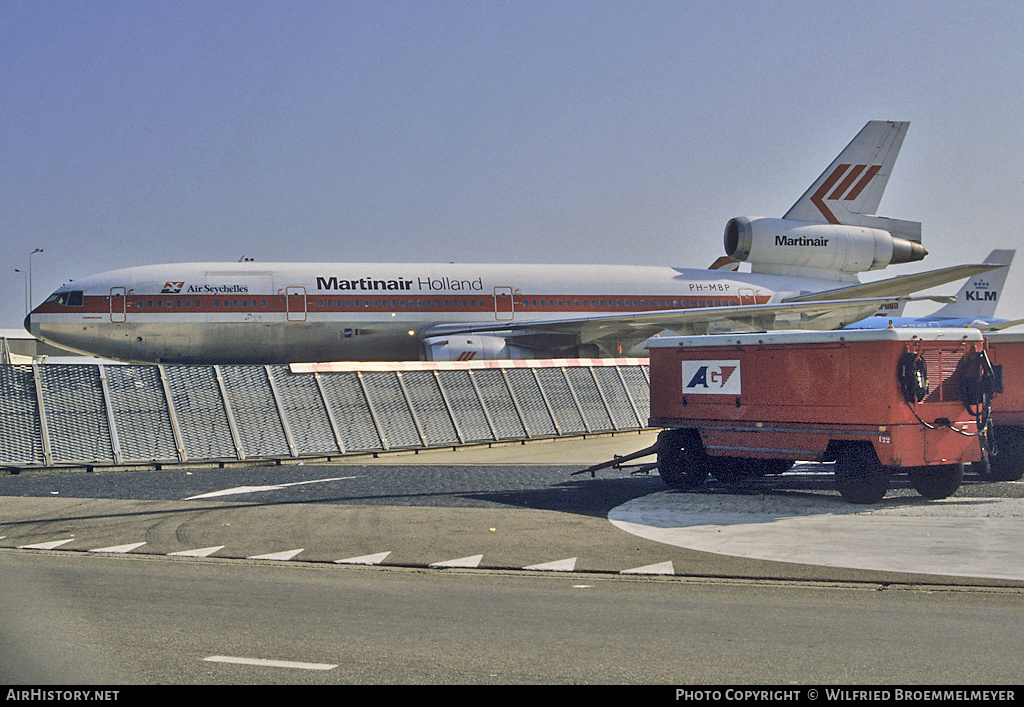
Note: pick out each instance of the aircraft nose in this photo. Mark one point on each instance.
(28, 323)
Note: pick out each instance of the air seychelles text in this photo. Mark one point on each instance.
(211, 289)
(399, 284)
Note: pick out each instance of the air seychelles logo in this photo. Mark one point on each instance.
(711, 377)
(175, 288)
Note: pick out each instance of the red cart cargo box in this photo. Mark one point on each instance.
(870, 400)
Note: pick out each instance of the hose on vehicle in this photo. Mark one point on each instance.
(913, 375)
(979, 383)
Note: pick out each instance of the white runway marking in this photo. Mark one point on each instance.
(119, 549)
(471, 561)
(262, 662)
(283, 555)
(239, 490)
(45, 546)
(659, 568)
(375, 559)
(567, 565)
(200, 552)
(973, 537)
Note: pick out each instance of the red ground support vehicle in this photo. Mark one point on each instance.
(872, 401)
(1006, 350)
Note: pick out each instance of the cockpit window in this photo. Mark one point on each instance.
(67, 298)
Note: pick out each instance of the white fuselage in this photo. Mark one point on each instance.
(309, 312)
(292, 312)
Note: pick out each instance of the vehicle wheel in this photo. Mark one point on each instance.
(682, 461)
(937, 482)
(860, 477)
(1007, 464)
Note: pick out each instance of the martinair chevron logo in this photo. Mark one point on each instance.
(854, 179)
(172, 288)
(711, 377)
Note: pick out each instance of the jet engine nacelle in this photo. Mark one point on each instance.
(822, 246)
(472, 347)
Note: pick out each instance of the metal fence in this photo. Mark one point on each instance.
(92, 415)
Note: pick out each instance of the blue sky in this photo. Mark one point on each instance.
(552, 132)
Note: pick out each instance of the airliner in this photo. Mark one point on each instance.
(974, 306)
(803, 275)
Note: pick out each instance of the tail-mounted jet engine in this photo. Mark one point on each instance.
(785, 245)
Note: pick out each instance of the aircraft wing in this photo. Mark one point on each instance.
(614, 333)
(611, 331)
(896, 286)
(998, 326)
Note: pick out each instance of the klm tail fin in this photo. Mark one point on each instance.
(849, 191)
(980, 294)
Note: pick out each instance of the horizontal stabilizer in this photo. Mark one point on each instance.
(998, 326)
(897, 286)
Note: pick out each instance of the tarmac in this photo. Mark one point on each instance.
(961, 536)
(794, 526)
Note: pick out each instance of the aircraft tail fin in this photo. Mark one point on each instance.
(849, 191)
(724, 262)
(980, 294)
(891, 309)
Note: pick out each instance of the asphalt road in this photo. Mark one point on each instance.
(110, 604)
(86, 619)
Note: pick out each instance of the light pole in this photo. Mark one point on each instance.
(37, 250)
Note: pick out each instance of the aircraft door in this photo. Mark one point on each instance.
(504, 306)
(117, 304)
(295, 303)
(747, 296)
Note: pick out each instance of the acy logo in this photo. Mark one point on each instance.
(711, 377)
